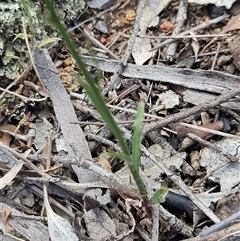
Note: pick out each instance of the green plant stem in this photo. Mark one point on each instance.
(106, 115)
(99, 103)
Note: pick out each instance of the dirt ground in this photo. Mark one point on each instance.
(181, 60)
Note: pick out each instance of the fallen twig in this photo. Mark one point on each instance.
(178, 181)
(180, 20)
(197, 109)
(220, 235)
(114, 79)
(199, 27)
(211, 81)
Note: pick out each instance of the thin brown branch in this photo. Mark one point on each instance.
(194, 29)
(193, 111)
(114, 79)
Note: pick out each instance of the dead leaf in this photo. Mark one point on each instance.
(99, 225)
(150, 13)
(5, 137)
(169, 99)
(210, 197)
(152, 171)
(218, 3)
(104, 162)
(226, 175)
(43, 131)
(195, 46)
(132, 202)
(194, 160)
(140, 50)
(233, 24)
(166, 27)
(59, 228)
(8, 177)
(228, 205)
(130, 15)
(234, 48)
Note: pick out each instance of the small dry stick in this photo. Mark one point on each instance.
(220, 235)
(213, 146)
(127, 122)
(199, 27)
(104, 141)
(215, 57)
(155, 226)
(223, 224)
(231, 112)
(181, 36)
(175, 223)
(154, 118)
(186, 113)
(114, 79)
(178, 181)
(201, 128)
(38, 192)
(123, 94)
(24, 98)
(180, 20)
(99, 44)
(26, 161)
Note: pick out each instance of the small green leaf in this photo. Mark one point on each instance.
(99, 103)
(159, 196)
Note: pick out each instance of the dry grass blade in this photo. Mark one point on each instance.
(59, 228)
(7, 178)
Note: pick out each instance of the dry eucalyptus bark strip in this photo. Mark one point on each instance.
(64, 111)
(211, 81)
(62, 105)
(23, 224)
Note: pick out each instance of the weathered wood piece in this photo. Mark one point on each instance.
(30, 229)
(62, 105)
(211, 81)
(65, 114)
(85, 169)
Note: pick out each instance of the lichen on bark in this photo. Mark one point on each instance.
(11, 13)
